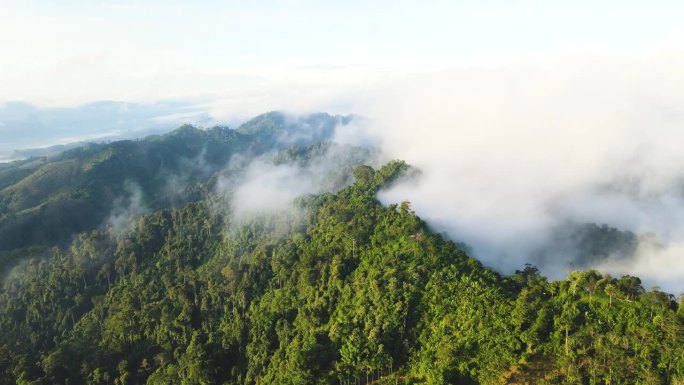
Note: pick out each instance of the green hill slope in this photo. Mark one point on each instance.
(340, 290)
(46, 201)
(334, 289)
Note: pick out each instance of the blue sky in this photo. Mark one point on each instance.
(75, 52)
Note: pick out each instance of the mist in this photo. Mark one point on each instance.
(269, 188)
(127, 208)
(508, 155)
(510, 158)
(311, 155)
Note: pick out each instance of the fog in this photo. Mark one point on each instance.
(508, 154)
(296, 155)
(267, 188)
(127, 207)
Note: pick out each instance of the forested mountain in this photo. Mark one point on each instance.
(46, 201)
(336, 289)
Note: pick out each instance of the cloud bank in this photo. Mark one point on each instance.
(509, 154)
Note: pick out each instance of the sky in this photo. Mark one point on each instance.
(245, 56)
(521, 115)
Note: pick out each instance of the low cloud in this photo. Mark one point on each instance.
(269, 188)
(127, 207)
(508, 154)
(270, 183)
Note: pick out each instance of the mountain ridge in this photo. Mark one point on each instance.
(173, 285)
(91, 177)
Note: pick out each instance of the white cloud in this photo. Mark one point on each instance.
(268, 188)
(507, 153)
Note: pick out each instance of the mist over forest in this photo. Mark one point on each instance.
(348, 193)
(533, 227)
(282, 251)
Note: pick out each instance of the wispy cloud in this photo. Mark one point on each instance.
(127, 208)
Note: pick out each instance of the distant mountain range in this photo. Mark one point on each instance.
(29, 130)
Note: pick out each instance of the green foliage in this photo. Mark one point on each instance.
(347, 292)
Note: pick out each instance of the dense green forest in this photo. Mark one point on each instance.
(338, 289)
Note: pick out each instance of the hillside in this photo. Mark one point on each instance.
(335, 288)
(46, 201)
